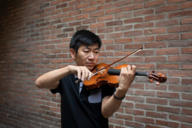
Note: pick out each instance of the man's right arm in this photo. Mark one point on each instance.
(51, 79)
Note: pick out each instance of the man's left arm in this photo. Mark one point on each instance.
(110, 104)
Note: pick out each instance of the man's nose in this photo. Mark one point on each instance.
(91, 55)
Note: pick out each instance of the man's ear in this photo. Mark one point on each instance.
(72, 53)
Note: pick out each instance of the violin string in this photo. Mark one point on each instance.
(118, 61)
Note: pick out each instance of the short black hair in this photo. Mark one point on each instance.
(85, 37)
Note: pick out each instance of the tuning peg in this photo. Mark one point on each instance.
(151, 80)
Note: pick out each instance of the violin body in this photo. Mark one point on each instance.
(103, 77)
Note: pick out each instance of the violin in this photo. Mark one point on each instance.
(110, 76)
(105, 74)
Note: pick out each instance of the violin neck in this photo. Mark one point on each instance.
(117, 72)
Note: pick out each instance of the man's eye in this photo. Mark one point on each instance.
(86, 51)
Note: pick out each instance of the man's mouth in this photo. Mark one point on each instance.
(90, 64)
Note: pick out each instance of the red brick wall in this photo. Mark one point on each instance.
(34, 39)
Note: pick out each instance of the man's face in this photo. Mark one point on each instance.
(87, 56)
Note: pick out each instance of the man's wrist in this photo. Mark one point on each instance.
(120, 93)
(118, 98)
(69, 69)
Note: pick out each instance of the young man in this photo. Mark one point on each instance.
(80, 107)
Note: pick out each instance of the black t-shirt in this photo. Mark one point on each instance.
(81, 109)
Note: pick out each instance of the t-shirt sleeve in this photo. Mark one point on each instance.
(57, 90)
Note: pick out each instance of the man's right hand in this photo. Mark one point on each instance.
(82, 72)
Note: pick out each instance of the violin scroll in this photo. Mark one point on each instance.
(159, 77)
